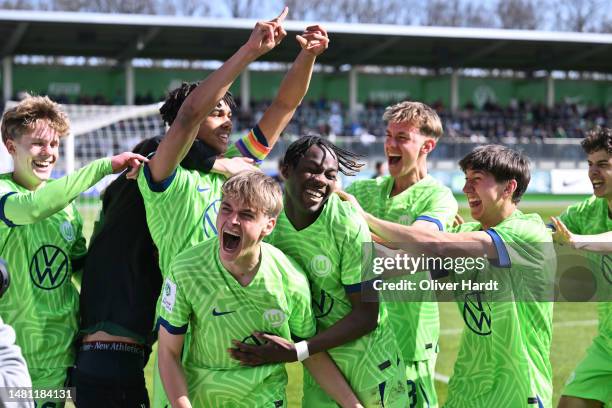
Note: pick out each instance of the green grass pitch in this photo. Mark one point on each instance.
(575, 324)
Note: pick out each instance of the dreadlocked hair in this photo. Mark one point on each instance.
(348, 162)
(177, 96)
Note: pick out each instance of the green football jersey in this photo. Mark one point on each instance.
(201, 293)
(330, 252)
(41, 239)
(503, 357)
(591, 217)
(182, 210)
(416, 324)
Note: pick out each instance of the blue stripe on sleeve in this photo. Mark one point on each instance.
(503, 258)
(162, 185)
(171, 329)
(431, 219)
(2, 215)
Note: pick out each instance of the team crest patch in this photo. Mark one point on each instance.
(320, 265)
(168, 295)
(67, 231)
(275, 317)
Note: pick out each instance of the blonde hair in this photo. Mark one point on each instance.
(22, 118)
(256, 190)
(418, 114)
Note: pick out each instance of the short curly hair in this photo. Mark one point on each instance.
(599, 138)
(22, 118)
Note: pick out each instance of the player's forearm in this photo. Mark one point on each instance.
(31, 207)
(600, 243)
(354, 325)
(292, 90)
(295, 84)
(200, 102)
(173, 378)
(331, 380)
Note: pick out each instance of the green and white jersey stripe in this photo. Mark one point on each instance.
(201, 293)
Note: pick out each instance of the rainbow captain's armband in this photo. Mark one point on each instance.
(254, 145)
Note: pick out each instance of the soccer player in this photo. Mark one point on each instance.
(122, 274)
(226, 288)
(326, 237)
(181, 206)
(503, 358)
(588, 226)
(41, 237)
(410, 196)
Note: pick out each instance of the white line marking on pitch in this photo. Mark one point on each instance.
(575, 323)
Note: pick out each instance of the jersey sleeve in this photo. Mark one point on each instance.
(78, 251)
(22, 208)
(440, 208)
(352, 264)
(301, 319)
(254, 145)
(518, 243)
(572, 219)
(166, 192)
(175, 310)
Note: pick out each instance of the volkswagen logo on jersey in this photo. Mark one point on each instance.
(477, 314)
(322, 305)
(320, 265)
(275, 317)
(209, 220)
(606, 267)
(67, 231)
(49, 267)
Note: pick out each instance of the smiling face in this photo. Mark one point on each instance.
(403, 146)
(34, 154)
(241, 229)
(215, 130)
(600, 173)
(310, 182)
(486, 197)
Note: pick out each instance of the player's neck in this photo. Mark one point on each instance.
(498, 216)
(403, 183)
(300, 219)
(245, 267)
(26, 182)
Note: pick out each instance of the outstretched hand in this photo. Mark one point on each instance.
(122, 161)
(267, 34)
(562, 235)
(274, 349)
(313, 40)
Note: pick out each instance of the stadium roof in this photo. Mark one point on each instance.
(122, 37)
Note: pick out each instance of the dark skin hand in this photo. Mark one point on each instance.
(360, 321)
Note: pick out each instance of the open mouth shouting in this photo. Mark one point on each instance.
(314, 196)
(598, 185)
(230, 242)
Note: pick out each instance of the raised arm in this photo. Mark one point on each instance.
(203, 99)
(27, 208)
(314, 41)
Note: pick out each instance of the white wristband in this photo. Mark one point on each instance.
(301, 348)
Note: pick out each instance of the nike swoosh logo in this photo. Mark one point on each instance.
(201, 190)
(570, 183)
(215, 313)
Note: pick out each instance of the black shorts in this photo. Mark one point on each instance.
(110, 374)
